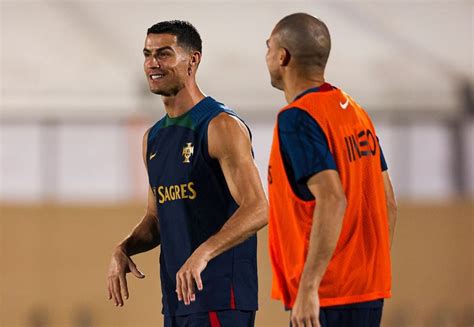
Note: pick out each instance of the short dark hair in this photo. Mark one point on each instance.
(307, 39)
(186, 34)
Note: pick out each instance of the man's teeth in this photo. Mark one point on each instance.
(156, 76)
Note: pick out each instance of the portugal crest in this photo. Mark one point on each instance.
(188, 151)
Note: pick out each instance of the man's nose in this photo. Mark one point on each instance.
(152, 62)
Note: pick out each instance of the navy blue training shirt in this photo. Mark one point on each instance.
(194, 202)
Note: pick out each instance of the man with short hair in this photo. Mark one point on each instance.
(332, 207)
(205, 199)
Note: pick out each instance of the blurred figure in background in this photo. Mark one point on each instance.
(205, 200)
(330, 261)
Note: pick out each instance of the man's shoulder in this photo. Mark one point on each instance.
(294, 118)
(151, 132)
(218, 114)
(223, 120)
(215, 106)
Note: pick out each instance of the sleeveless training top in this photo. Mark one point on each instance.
(193, 203)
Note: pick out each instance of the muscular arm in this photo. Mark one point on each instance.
(145, 236)
(229, 143)
(327, 222)
(391, 204)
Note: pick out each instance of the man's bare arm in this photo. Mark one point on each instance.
(229, 143)
(145, 236)
(391, 204)
(327, 222)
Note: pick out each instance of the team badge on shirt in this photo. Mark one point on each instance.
(188, 151)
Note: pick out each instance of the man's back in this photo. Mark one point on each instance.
(360, 266)
(335, 252)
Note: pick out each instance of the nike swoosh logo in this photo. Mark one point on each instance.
(345, 104)
(152, 155)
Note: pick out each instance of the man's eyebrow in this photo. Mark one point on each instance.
(159, 49)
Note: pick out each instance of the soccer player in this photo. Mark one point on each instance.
(205, 200)
(332, 207)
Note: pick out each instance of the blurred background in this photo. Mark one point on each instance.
(75, 104)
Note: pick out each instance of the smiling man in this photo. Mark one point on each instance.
(205, 198)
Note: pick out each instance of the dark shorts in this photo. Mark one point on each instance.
(365, 314)
(226, 318)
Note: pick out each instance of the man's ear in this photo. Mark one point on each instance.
(194, 62)
(284, 56)
(195, 59)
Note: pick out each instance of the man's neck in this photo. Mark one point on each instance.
(295, 85)
(183, 101)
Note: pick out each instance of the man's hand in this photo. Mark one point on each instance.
(305, 312)
(190, 274)
(116, 280)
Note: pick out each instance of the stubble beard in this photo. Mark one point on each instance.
(277, 83)
(170, 91)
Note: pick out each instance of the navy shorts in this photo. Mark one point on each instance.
(364, 314)
(225, 318)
